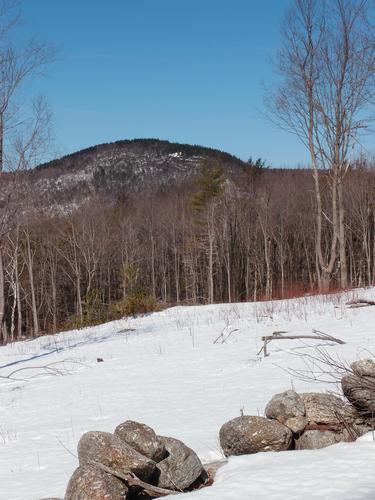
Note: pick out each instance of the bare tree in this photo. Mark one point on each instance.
(17, 65)
(327, 65)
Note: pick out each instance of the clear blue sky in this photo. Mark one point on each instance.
(184, 70)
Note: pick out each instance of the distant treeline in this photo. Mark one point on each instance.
(223, 238)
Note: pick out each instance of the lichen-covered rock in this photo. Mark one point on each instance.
(327, 409)
(363, 368)
(181, 468)
(142, 438)
(360, 391)
(245, 435)
(111, 451)
(91, 483)
(312, 440)
(284, 406)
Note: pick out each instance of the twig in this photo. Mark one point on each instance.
(132, 480)
(50, 367)
(223, 337)
(65, 448)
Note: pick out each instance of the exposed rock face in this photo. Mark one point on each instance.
(360, 391)
(327, 409)
(91, 483)
(288, 408)
(311, 440)
(181, 468)
(142, 438)
(245, 435)
(111, 451)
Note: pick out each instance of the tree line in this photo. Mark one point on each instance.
(243, 236)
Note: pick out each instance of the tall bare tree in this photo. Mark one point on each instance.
(18, 63)
(327, 65)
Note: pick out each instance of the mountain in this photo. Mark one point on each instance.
(123, 168)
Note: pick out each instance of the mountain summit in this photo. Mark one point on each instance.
(123, 168)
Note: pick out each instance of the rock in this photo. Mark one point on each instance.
(360, 391)
(296, 424)
(91, 483)
(212, 468)
(181, 468)
(288, 408)
(364, 368)
(111, 451)
(142, 438)
(327, 409)
(284, 406)
(312, 440)
(245, 435)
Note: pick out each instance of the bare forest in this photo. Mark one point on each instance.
(221, 237)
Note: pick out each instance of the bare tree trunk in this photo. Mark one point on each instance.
(30, 268)
(4, 333)
(342, 237)
(153, 280)
(211, 238)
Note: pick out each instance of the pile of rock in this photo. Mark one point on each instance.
(309, 420)
(132, 462)
(135, 463)
(359, 386)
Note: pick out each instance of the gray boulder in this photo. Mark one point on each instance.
(288, 408)
(111, 451)
(364, 368)
(142, 438)
(245, 435)
(91, 483)
(181, 468)
(327, 409)
(360, 391)
(296, 424)
(285, 405)
(312, 440)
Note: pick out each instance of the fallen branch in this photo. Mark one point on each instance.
(56, 368)
(360, 303)
(132, 480)
(278, 336)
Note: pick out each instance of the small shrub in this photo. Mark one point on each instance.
(138, 302)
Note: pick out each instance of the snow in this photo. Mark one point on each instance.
(169, 374)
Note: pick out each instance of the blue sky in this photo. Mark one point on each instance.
(190, 71)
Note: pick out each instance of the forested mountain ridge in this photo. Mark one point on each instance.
(88, 237)
(123, 168)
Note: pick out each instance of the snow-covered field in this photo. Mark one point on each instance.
(169, 374)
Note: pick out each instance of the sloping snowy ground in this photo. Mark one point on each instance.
(169, 374)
